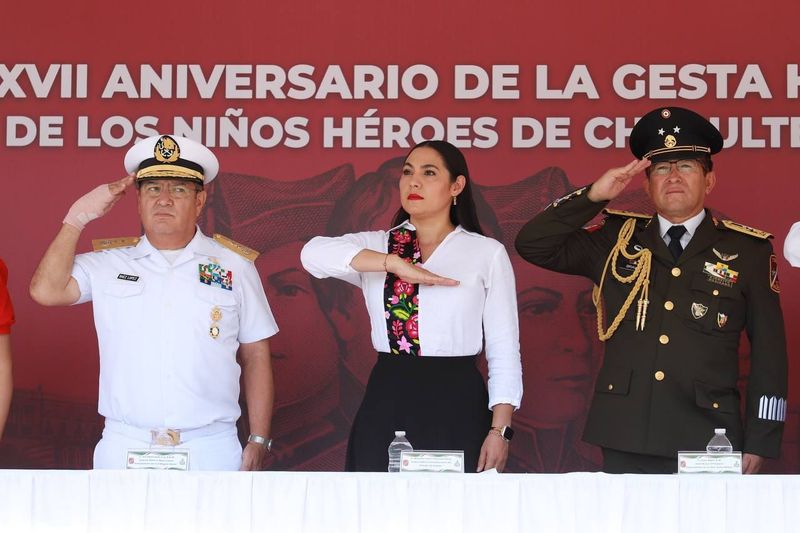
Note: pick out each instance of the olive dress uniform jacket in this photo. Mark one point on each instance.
(666, 388)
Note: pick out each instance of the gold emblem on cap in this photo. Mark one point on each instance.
(670, 141)
(166, 150)
(216, 314)
(665, 113)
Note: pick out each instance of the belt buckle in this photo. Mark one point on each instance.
(165, 437)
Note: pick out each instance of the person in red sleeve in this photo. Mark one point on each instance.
(6, 320)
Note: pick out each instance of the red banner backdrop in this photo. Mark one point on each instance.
(310, 110)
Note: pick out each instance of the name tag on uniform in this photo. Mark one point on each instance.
(167, 458)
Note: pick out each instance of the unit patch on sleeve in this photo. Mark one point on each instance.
(774, 282)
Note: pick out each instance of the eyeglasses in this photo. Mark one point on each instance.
(176, 191)
(685, 167)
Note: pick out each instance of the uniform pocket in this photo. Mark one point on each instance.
(217, 306)
(123, 289)
(715, 308)
(613, 380)
(216, 296)
(714, 398)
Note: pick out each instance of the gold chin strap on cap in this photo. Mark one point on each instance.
(640, 277)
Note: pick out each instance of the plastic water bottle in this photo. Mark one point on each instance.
(719, 443)
(396, 447)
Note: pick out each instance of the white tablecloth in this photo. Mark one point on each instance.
(242, 502)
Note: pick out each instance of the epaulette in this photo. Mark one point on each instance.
(747, 230)
(110, 244)
(241, 249)
(626, 214)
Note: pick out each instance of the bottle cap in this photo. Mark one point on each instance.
(403, 433)
(719, 431)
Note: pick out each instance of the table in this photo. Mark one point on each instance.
(244, 502)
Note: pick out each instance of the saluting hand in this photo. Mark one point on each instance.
(97, 202)
(415, 274)
(614, 181)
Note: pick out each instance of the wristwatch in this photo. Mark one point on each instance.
(258, 439)
(505, 431)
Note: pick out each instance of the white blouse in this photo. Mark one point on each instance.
(791, 246)
(453, 321)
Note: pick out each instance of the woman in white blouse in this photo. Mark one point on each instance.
(791, 246)
(437, 292)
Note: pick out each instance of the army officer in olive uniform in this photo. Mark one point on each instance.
(674, 291)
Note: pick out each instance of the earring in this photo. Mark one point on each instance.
(454, 200)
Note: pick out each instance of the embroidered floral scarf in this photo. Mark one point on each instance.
(401, 297)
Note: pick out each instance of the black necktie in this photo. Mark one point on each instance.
(675, 233)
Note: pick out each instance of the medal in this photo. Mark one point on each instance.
(216, 316)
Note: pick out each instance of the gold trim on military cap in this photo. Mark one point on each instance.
(668, 132)
(169, 171)
(171, 157)
(673, 148)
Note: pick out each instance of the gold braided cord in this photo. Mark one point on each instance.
(640, 277)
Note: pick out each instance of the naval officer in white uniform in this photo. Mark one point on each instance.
(172, 309)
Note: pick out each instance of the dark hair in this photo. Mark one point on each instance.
(464, 212)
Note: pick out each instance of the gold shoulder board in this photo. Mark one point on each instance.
(747, 230)
(626, 214)
(117, 242)
(241, 249)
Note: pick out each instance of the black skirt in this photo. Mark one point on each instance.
(440, 402)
